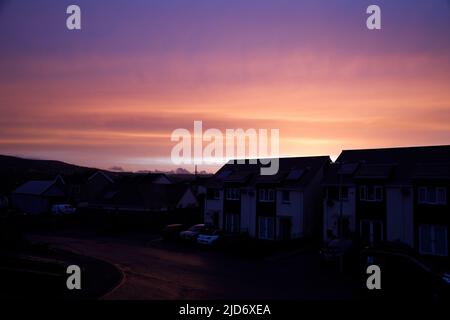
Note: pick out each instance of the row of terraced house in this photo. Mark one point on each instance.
(369, 196)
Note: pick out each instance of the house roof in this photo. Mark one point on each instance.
(189, 178)
(432, 170)
(374, 171)
(78, 178)
(141, 194)
(293, 172)
(106, 176)
(34, 187)
(394, 165)
(142, 178)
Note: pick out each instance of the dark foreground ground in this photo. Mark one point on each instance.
(40, 272)
(154, 269)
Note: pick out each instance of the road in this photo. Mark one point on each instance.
(155, 270)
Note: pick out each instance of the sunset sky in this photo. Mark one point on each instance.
(112, 93)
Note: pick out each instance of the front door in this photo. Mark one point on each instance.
(284, 229)
(267, 228)
(232, 223)
(371, 232)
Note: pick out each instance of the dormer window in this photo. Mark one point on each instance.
(295, 174)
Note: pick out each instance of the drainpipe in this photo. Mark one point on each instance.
(341, 204)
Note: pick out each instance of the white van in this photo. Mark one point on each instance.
(63, 209)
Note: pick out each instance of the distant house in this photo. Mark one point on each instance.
(197, 183)
(84, 186)
(37, 197)
(157, 178)
(146, 193)
(75, 186)
(279, 207)
(95, 186)
(393, 194)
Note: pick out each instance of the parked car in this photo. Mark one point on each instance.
(403, 275)
(211, 238)
(193, 232)
(172, 231)
(63, 209)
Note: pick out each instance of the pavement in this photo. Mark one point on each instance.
(154, 269)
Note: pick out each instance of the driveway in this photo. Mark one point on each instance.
(155, 270)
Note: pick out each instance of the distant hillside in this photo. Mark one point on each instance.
(14, 171)
(9, 163)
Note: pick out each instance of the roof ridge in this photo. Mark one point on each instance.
(398, 148)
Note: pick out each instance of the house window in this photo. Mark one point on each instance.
(232, 194)
(232, 223)
(213, 194)
(441, 195)
(266, 195)
(371, 193)
(433, 240)
(266, 228)
(286, 196)
(76, 189)
(432, 195)
(363, 193)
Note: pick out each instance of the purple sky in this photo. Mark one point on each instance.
(112, 93)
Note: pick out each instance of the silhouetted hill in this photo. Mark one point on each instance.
(9, 163)
(14, 171)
